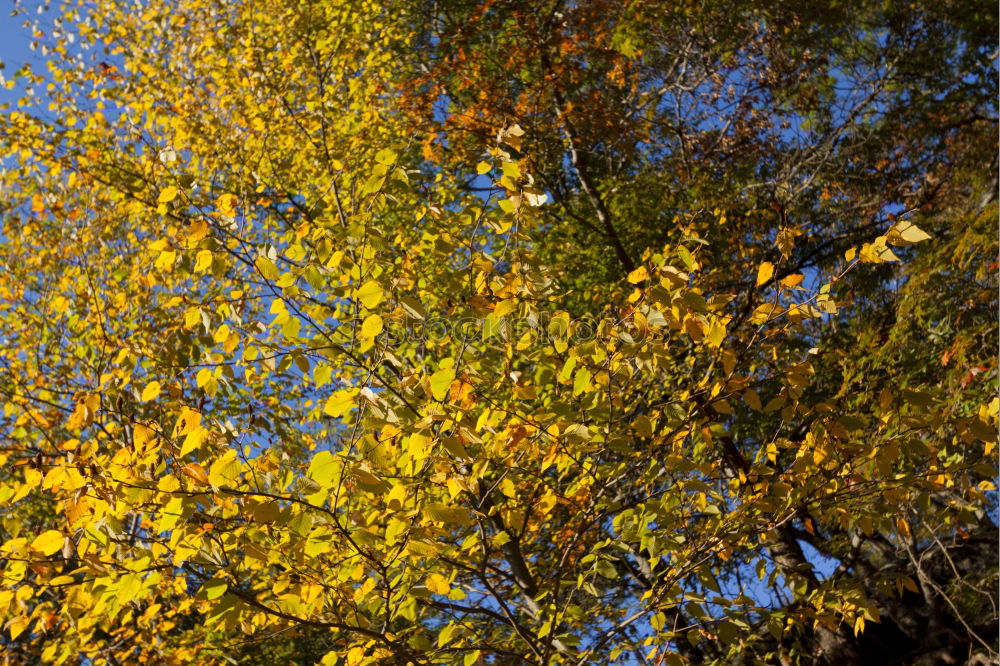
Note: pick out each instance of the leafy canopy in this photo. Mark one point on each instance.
(399, 332)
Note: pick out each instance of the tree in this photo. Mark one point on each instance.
(503, 332)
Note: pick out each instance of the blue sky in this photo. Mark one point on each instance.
(15, 48)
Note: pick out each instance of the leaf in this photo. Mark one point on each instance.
(581, 381)
(167, 194)
(413, 307)
(49, 542)
(129, 586)
(905, 233)
(370, 294)
(213, 588)
(324, 468)
(225, 470)
(188, 421)
(437, 584)
(196, 473)
(446, 634)
(483, 168)
(226, 204)
(142, 435)
(151, 391)
(193, 440)
(339, 403)
(638, 275)
(17, 626)
(266, 268)
(792, 281)
(386, 157)
(371, 326)
(534, 196)
(203, 261)
(876, 252)
(764, 272)
(441, 382)
(453, 515)
(716, 333)
(512, 136)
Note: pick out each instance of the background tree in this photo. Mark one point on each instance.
(502, 332)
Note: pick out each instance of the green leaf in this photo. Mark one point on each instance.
(213, 589)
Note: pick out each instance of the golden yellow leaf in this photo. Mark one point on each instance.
(151, 391)
(764, 272)
(49, 542)
(371, 326)
(638, 275)
(188, 421)
(167, 194)
(437, 584)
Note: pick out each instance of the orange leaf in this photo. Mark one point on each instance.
(196, 473)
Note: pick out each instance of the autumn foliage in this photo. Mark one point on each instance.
(500, 332)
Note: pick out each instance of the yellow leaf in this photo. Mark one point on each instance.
(441, 382)
(167, 194)
(49, 542)
(338, 404)
(448, 514)
(225, 470)
(765, 272)
(128, 586)
(168, 483)
(876, 252)
(638, 275)
(266, 268)
(372, 326)
(906, 233)
(793, 280)
(716, 333)
(196, 473)
(438, 584)
(483, 167)
(370, 294)
(221, 333)
(227, 204)
(198, 230)
(142, 435)
(151, 391)
(188, 421)
(504, 307)
(17, 626)
(324, 468)
(214, 588)
(194, 439)
(203, 261)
